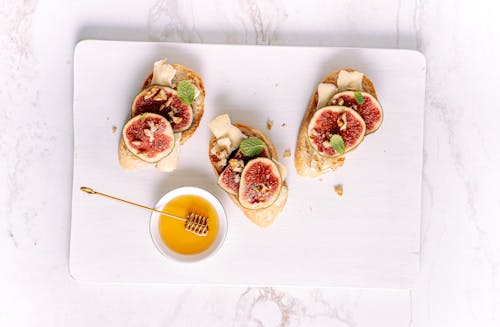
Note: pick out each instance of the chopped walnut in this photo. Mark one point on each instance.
(176, 120)
(152, 126)
(221, 164)
(265, 189)
(151, 92)
(269, 124)
(160, 96)
(149, 134)
(339, 189)
(236, 165)
(221, 154)
(342, 121)
(341, 102)
(287, 153)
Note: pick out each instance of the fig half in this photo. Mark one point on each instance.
(332, 120)
(149, 136)
(230, 177)
(365, 104)
(164, 101)
(260, 184)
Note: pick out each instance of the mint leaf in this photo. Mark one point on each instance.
(185, 92)
(143, 117)
(360, 99)
(252, 146)
(337, 143)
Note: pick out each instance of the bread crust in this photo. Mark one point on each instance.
(261, 217)
(127, 159)
(308, 162)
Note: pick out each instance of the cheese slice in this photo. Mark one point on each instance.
(169, 163)
(325, 92)
(350, 81)
(220, 125)
(163, 73)
(235, 136)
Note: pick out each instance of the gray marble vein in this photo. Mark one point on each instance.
(23, 136)
(459, 283)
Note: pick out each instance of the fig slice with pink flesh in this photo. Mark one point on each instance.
(230, 177)
(149, 136)
(331, 120)
(260, 184)
(164, 101)
(365, 104)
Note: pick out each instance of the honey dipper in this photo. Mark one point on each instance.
(194, 223)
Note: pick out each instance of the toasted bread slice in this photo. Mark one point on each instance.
(261, 217)
(308, 162)
(126, 158)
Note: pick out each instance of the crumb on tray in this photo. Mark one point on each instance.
(287, 153)
(114, 129)
(283, 125)
(339, 189)
(269, 124)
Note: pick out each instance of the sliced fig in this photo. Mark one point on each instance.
(230, 177)
(260, 184)
(164, 101)
(365, 104)
(340, 120)
(149, 136)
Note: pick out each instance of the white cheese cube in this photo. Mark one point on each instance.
(350, 81)
(163, 73)
(325, 92)
(220, 125)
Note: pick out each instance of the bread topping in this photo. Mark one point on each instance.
(350, 80)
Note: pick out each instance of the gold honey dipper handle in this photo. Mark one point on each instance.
(194, 223)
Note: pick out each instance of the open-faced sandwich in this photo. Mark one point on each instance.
(342, 110)
(245, 162)
(164, 115)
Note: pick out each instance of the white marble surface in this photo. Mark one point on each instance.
(459, 283)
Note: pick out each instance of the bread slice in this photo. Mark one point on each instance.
(261, 217)
(126, 158)
(308, 162)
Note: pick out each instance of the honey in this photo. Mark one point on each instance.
(173, 233)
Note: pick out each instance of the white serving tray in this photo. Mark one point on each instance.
(367, 238)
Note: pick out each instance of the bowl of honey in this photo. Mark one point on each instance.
(170, 235)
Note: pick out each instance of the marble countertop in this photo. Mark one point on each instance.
(459, 282)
